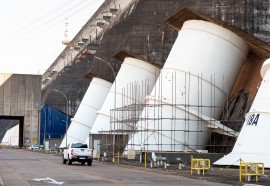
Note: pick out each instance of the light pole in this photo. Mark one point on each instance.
(67, 110)
(114, 101)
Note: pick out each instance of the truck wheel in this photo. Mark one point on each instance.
(89, 163)
(64, 160)
(69, 161)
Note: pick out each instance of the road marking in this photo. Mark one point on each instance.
(1, 182)
(50, 180)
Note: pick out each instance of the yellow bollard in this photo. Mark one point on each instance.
(191, 171)
(98, 155)
(240, 170)
(145, 160)
(118, 158)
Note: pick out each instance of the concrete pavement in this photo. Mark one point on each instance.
(23, 167)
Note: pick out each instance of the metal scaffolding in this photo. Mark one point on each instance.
(124, 121)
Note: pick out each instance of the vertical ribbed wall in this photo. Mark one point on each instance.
(132, 71)
(193, 86)
(86, 114)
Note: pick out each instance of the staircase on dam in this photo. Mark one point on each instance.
(67, 72)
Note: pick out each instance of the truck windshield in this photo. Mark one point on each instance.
(79, 145)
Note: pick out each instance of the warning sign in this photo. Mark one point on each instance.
(34, 140)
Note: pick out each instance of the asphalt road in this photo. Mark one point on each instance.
(22, 167)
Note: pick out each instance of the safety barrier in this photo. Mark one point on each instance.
(250, 170)
(199, 165)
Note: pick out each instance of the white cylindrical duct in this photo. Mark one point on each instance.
(11, 137)
(252, 143)
(193, 85)
(85, 116)
(133, 73)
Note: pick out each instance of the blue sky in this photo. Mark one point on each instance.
(31, 31)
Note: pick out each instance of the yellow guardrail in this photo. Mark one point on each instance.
(199, 165)
(98, 155)
(145, 160)
(250, 169)
(118, 157)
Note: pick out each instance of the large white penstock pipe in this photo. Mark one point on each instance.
(86, 114)
(252, 143)
(132, 71)
(200, 71)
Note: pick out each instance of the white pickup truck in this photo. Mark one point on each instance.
(78, 152)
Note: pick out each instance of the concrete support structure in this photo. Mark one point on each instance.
(20, 99)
